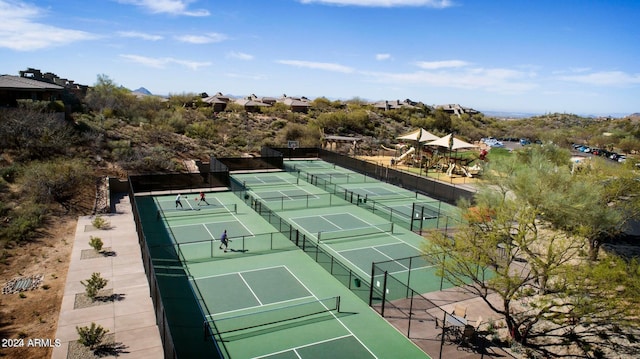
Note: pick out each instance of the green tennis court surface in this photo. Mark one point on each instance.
(264, 298)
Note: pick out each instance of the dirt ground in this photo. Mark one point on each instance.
(34, 314)
(441, 176)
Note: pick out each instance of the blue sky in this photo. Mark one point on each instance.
(575, 56)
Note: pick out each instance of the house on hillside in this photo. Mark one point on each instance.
(455, 109)
(218, 101)
(268, 100)
(14, 88)
(296, 104)
(387, 105)
(251, 105)
(77, 90)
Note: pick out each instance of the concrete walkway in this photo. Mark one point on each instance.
(128, 313)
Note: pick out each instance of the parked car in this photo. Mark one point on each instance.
(525, 141)
(492, 142)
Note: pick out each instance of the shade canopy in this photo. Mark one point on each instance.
(446, 142)
(420, 135)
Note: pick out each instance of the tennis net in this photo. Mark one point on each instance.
(275, 315)
(258, 183)
(337, 178)
(217, 209)
(356, 232)
(392, 196)
(425, 211)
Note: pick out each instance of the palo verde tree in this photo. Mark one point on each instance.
(109, 99)
(509, 249)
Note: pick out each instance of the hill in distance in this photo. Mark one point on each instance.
(143, 90)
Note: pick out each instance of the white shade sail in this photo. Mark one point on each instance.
(446, 142)
(420, 135)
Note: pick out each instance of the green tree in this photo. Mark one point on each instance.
(613, 204)
(629, 144)
(442, 120)
(108, 99)
(511, 247)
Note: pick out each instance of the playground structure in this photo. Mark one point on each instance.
(405, 157)
(440, 154)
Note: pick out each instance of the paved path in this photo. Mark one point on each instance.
(130, 315)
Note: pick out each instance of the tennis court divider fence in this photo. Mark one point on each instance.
(422, 216)
(207, 248)
(394, 299)
(357, 284)
(447, 192)
(156, 296)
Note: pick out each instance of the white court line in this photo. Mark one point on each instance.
(412, 269)
(197, 224)
(295, 349)
(334, 316)
(251, 290)
(244, 271)
(253, 307)
(242, 224)
(394, 236)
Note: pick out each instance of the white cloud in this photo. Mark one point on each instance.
(439, 4)
(202, 39)
(382, 57)
(317, 65)
(239, 56)
(19, 29)
(172, 7)
(140, 35)
(434, 65)
(163, 62)
(492, 80)
(604, 78)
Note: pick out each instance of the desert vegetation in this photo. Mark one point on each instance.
(50, 164)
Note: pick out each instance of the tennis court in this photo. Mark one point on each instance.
(263, 301)
(357, 236)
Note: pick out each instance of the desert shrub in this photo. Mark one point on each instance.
(93, 285)
(22, 222)
(56, 181)
(33, 134)
(9, 173)
(202, 130)
(96, 243)
(91, 336)
(100, 223)
(147, 159)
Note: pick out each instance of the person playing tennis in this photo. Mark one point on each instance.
(178, 202)
(202, 199)
(224, 240)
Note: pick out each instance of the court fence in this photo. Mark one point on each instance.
(357, 284)
(162, 321)
(406, 308)
(425, 215)
(177, 182)
(447, 192)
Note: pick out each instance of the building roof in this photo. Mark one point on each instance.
(214, 100)
(457, 109)
(21, 83)
(296, 103)
(250, 103)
